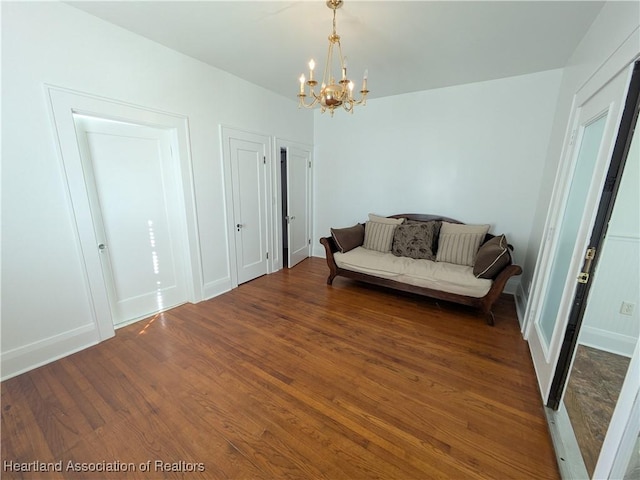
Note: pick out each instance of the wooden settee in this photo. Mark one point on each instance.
(484, 303)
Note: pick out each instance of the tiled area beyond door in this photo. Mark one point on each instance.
(594, 385)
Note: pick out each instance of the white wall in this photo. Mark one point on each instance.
(613, 25)
(473, 152)
(44, 289)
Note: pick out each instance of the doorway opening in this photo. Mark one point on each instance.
(293, 184)
(598, 234)
(593, 369)
(284, 211)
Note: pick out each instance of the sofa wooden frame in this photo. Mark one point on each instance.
(484, 304)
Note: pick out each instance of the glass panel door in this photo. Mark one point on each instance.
(590, 146)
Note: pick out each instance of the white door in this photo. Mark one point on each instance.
(132, 184)
(248, 158)
(298, 180)
(571, 219)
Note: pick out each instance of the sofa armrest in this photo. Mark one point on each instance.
(330, 247)
(507, 272)
(497, 287)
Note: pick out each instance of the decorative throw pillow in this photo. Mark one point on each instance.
(459, 243)
(436, 231)
(348, 238)
(415, 240)
(378, 236)
(492, 257)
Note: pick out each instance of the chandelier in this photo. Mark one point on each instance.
(332, 94)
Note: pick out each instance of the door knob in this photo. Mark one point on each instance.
(239, 226)
(102, 246)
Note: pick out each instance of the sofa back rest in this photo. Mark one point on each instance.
(421, 217)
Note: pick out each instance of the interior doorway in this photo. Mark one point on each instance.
(566, 253)
(295, 203)
(596, 377)
(616, 230)
(609, 328)
(284, 213)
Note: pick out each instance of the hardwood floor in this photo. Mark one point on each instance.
(286, 377)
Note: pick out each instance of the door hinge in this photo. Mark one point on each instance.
(583, 277)
(309, 163)
(573, 137)
(267, 255)
(586, 268)
(264, 160)
(309, 241)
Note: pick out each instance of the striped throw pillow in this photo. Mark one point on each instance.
(459, 243)
(378, 236)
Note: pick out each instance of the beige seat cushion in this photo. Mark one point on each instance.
(442, 276)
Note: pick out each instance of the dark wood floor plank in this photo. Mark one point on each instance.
(26, 435)
(286, 377)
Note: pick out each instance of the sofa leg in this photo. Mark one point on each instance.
(330, 279)
(490, 318)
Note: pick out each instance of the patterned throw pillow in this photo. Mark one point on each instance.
(492, 257)
(459, 243)
(415, 240)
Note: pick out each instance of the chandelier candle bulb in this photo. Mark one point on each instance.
(312, 65)
(302, 84)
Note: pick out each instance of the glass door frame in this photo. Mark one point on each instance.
(607, 201)
(608, 98)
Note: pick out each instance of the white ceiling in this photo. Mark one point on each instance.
(406, 45)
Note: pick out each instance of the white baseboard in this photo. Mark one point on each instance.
(36, 354)
(218, 287)
(608, 341)
(521, 304)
